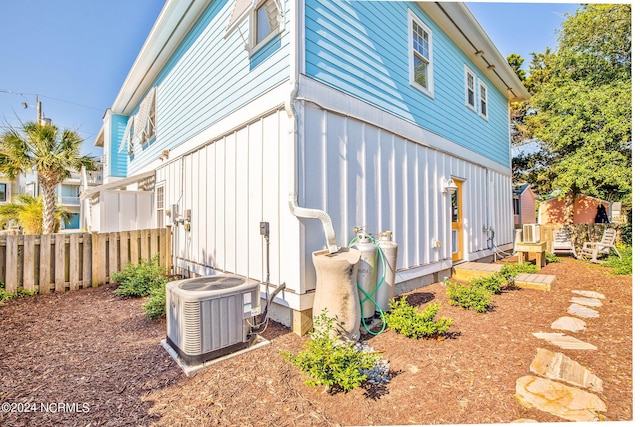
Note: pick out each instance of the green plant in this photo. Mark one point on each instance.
(469, 296)
(622, 265)
(551, 257)
(492, 283)
(20, 292)
(408, 321)
(155, 307)
(329, 362)
(139, 280)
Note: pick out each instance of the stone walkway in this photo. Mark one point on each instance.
(574, 398)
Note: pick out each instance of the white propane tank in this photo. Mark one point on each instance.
(387, 287)
(366, 277)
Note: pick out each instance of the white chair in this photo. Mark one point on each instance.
(591, 250)
(562, 242)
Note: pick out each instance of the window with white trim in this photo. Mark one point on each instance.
(160, 215)
(470, 88)
(420, 55)
(484, 100)
(3, 192)
(265, 22)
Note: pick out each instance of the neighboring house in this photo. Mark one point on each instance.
(67, 192)
(585, 209)
(241, 112)
(8, 188)
(524, 205)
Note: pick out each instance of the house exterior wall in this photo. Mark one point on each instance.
(208, 78)
(345, 49)
(585, 209)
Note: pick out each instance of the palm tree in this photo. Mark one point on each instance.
(50, 154)
(26, 212)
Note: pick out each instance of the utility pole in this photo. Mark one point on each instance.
(39, 110)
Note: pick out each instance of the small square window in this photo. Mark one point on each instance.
(3, 192)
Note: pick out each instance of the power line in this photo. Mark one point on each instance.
(24, 94)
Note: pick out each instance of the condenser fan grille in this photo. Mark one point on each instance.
(212, 284)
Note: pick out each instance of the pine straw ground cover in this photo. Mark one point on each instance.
(98, 355)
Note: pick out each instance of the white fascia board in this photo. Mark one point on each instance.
(457, 21)
(176, 18)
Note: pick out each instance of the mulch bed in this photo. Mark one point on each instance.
(92, 358)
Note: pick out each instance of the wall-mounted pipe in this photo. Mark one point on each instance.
(295, 209)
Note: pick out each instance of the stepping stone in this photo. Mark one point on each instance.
(557, 366)
(591, 302)
(564, 341)
(582, 311)
(590, 294)
(569, 403)
(571, 324)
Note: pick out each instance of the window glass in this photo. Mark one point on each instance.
(3, 192)
(420, 55)
(266, 20)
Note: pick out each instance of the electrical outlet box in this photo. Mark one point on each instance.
(264, 229)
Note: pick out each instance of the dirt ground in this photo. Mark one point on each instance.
(89, 357)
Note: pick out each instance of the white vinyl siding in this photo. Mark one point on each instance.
(420, 54)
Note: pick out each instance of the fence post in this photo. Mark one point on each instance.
(59, 262)
(29, 264)
(75, 267)
(11, 276)
(168, 255)
(45, 263)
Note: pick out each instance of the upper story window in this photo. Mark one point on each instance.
(3, 192)
(420, 55)
(265, 22)
(484, 100)
(470, 88)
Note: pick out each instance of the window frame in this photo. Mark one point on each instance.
(469, 73)
(482, 85)
(255, 44)
(413, 53)
(517, 206)
(4, 192)
(160, 215)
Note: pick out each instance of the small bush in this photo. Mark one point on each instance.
(408, 321)
(622, 265)
(329, 362)
(156, 307)
(492, 283)
(551, 257)
(139, 280)
(469, 296)
(510, 271)
(6, 296)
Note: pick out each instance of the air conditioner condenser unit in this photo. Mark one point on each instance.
(211, 316)
(531, 233)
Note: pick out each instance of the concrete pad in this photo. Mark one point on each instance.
(571, 324)
(582, 311)
(191, 369)
(590, 302)
(557, 366)
(564, 341)
(589, 294)
(569, 403)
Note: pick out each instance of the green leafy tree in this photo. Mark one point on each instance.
(51, 154)
(26, 212)
(581, 109)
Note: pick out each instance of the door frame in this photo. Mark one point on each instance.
(457, 227)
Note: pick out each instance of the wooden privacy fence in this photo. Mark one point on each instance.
(60, 262)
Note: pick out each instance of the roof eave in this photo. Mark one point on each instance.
(459, 23)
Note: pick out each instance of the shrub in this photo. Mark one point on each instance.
(622, 265)
(21, 292)
(156, 307)
(551, 257)
(469, 296)
(408, 321)
(139, 280)
(329, 362)
(492, 283)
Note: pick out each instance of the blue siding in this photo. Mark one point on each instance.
(118, 160)
(346, 49)
(209, 78)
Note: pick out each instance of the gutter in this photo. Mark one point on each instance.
(294, 208)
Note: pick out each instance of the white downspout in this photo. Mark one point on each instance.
(294, 67)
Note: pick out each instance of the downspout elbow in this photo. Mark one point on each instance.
(318, 214)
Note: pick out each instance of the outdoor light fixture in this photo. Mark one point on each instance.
(448, 186)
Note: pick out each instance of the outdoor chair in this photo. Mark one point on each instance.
(591, 250)
(562, 242)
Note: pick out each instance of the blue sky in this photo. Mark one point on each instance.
(75, 54)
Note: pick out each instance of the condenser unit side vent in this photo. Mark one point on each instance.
(531, 233)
